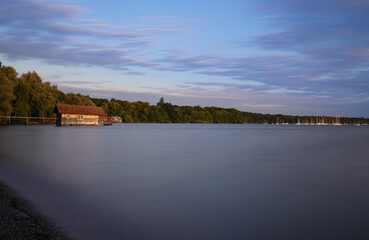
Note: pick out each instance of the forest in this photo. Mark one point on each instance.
(28, 96)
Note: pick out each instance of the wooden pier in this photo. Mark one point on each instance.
(9, 120)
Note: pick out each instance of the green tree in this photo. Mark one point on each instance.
(142, 110)
(161, 102)
(78, 99)
(6, 94)
(58, 95)
(41, 97)
(128, 111)
(158, 114)
(22, 105)
(100, 102)
(115, 109)
(172, 112)
(10, 73)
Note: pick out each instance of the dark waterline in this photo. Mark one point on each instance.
(194, 181)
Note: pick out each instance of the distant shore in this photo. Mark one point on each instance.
(20, 220)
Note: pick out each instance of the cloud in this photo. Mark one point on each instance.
(318, 47)
(36, 11)
(168, 20)
(313, 50)
(78, 83)
(135, 73)
(60, 34)
(332, 35)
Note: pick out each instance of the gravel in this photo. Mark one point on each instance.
(20, 220)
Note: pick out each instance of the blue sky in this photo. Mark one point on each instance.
(291, 57)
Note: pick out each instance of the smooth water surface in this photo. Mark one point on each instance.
(161, 181)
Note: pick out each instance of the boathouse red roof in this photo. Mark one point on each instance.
(78, 109)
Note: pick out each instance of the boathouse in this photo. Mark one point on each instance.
(77, 115)
(116, 119)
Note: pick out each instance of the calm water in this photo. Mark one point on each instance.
(194, 181)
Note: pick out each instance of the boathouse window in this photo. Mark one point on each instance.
(80, 117)
(68, 116)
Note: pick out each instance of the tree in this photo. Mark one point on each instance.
(158, 114)
(78, 99)
(142, 110)
(6, 94)
(58, 95)
(128, 110)
(161, 102)
(115, 109)
(41, 97)
(100, 102)
(22, 105)
(10, 73)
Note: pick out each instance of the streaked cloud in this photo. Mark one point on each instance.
(59, 33)
(79, 83)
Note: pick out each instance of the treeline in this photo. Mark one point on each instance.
(28, 96)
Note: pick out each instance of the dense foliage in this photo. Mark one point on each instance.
(29, 96)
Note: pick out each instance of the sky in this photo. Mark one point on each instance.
(305, 57)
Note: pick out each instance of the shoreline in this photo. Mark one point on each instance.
(19, 219)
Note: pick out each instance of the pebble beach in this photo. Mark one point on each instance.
(20, 220)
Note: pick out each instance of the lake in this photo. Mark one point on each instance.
(169, 181)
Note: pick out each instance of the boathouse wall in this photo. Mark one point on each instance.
(79, 119)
